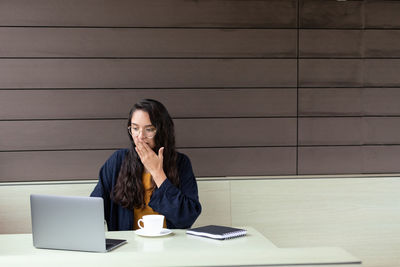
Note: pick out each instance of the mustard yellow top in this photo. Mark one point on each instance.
(148, 191)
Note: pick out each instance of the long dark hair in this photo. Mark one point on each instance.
(129, 190)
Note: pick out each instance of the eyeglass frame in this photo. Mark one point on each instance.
(133, 135)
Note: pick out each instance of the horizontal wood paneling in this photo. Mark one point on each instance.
(382, 14)
(243, 161)
(139, 73)
(236, 132)
(349, 131)
(81, 165)
(382, 72)
(330, 131)
(115, 103)
(349, 72)
(159, 13)
(145, 42)
(109, 134)
(331, 14)
(51, 165)
(331, 72)
(349, 101)
(349, 159)
(330, 43)
(382, 43)
(349, 43)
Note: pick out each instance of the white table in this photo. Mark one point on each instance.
(176, 249)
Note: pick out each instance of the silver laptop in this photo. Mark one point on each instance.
(70, 223)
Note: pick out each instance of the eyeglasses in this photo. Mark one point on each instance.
(148, 132)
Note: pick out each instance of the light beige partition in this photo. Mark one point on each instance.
(359, 214)
(362, 215)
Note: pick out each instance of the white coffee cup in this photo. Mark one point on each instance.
(152, 224)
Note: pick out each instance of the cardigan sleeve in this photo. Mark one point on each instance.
(180, 206)
(107, 176)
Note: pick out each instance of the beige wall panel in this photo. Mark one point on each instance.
(330, 160)
(349, 101)
(382, 43)
(139, 73)
(243, 161)
(116, 103)
(110, 134)
(15, 208)
(330, 72)
(216, 203)
(51, 165)
(359, 215)
(349, 131)
(159, 13)
(382, 14)
(330, 43)
(331, 14)
(144, 42)
(382, 72)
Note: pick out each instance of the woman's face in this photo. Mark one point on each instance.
(142, 129)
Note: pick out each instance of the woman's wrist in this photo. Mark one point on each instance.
(159, 177)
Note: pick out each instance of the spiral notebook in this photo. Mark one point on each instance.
(217, 232)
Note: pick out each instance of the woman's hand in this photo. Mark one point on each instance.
(151, 161)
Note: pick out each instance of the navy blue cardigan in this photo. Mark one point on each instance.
(180, 206)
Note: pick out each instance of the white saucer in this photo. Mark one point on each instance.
(163, 232)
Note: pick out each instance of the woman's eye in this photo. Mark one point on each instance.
(135, 129)
(149, 130)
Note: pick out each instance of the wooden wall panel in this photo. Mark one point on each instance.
(236, 132)
(51, 165)
(331, 14)
(110, 134)
(382, 14)
(146, 43)
(349, 43)
(382, 43)
(116, 103)
(381, 159)
(58, 165)
(330, 44)
(349, 131)
(382, 72)
(331, 72)
(159, 13)
(349, 159)
(330, 160)
(330, 131)
(153, 73)
(349, 72)
(349, 102)
(243, 161)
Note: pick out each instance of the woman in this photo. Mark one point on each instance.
(150, 177)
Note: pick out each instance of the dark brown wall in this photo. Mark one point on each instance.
(278, 87)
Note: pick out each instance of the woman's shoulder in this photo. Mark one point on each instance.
(182, 159)
(118, 156)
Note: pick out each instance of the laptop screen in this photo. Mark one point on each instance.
(68, 222)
